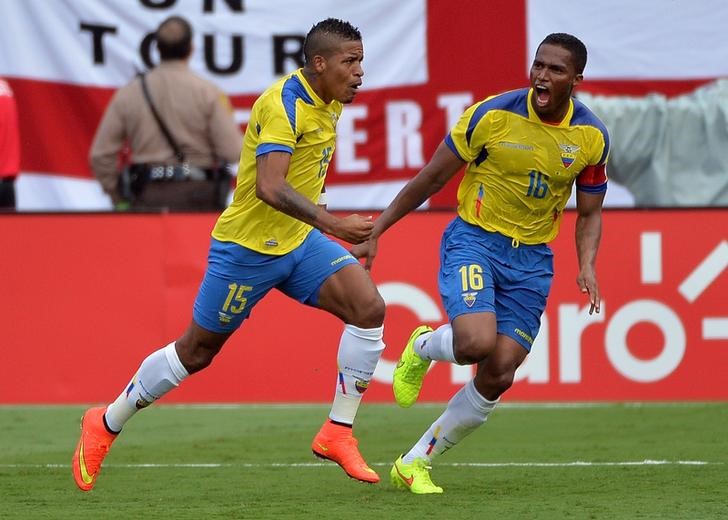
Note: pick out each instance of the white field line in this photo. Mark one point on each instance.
(578, 464)
(318, 406)
(506, 405)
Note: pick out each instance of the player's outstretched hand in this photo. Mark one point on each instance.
(366, 250)
(587, 281)
(355, 229)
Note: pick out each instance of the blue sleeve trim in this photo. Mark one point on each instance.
(599, 188)
(583, 116)
(514, 101)
(451, 144)
(272, 147)
(293, 90)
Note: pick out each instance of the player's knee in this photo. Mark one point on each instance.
(500, 384)
(195, 355)
(370, 313)
(493, 385)
(375, 309)
(469, 350)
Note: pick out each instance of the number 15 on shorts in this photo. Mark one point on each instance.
(235, 301)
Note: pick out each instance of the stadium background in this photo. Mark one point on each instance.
(98, 291)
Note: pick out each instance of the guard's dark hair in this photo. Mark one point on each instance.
(572, 44)
(324, 35)
(174, 38)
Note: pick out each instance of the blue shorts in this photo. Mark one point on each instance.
(481, 271)
(237, 278)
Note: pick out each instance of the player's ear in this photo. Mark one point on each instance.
(577, 79)
(319, 63)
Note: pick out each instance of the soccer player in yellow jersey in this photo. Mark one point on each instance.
(271, 236)
(522, 151)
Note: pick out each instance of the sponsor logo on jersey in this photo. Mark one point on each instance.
(516, 146)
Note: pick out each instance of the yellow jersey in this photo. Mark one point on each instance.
(520, 169)
(288, 117)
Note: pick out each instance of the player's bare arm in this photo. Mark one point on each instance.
(588, 234)
(272, 188)
(443, 165)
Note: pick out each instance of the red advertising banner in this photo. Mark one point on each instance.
(85, 297)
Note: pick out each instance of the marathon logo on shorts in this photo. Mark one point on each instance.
(524, 336)
(469, 298)
(224, 318)
(341, 259)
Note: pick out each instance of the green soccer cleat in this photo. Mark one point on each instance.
(415, 477)
(410, 371)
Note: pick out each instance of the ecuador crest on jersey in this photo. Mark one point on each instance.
(568, 154)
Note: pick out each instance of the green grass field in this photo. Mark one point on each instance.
(583, 462)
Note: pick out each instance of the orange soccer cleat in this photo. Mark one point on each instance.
(336, 443)
(92, 447)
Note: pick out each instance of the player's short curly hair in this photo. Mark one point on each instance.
(321, 36)
(572, 44)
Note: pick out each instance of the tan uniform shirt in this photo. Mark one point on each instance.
(197, 113)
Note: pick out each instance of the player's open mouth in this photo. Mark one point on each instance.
(543, 96)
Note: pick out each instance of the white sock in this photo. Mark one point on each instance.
(464, 413)
(359, 352)
(437, 345)
(159, 373)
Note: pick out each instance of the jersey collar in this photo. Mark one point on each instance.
(565, 122)
(311, 92)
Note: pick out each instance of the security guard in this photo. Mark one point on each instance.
(184, 170)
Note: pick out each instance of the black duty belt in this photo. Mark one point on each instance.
(175, 173)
